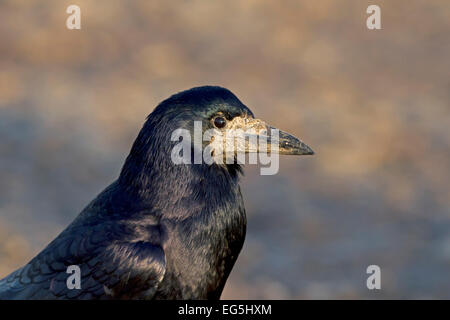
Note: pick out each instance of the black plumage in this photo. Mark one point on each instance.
(160, 231)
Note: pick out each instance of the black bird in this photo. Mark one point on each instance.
(161, 230)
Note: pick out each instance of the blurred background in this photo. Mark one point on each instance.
(374, 105)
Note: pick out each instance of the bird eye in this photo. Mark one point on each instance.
(220, 122)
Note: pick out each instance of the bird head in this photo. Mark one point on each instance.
(217, 118)
(207, 115)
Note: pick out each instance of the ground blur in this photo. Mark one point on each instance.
(374, 105)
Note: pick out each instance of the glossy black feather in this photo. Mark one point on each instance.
(160, 231)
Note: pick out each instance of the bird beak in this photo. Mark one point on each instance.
(289, 145)
(261, 137)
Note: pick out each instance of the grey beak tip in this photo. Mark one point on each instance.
(307, 150)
